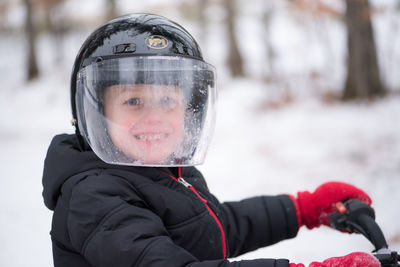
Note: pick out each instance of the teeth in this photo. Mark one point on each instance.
(152, 137)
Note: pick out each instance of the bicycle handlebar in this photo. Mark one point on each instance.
(356, 216)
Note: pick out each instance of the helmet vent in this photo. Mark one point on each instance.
(124, 48)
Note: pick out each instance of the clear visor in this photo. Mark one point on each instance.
(147, 111)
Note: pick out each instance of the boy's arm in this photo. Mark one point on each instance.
(257, 222)
(261, 221)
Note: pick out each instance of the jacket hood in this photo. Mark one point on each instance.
(63, 160)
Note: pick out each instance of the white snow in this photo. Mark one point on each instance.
(255, 150)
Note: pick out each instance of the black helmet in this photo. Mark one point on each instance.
(142, 51)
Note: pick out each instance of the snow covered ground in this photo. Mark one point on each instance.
(256, 150)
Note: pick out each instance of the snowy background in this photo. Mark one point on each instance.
(262, 144)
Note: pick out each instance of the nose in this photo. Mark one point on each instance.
(152, 115)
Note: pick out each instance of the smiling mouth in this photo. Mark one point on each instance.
(151, 137)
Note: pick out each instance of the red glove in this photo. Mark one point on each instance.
(313, 209)
(356, 259)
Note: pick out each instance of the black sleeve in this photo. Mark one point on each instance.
(110, 226)
(257, 222)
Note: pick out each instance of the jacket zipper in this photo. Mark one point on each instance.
(189, 186)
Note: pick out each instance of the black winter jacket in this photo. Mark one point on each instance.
(108, 215)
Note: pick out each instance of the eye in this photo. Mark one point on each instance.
(133, 101)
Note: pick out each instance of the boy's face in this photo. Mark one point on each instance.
(146, 122)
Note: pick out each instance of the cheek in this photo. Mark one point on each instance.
(178, 122)
(119, 121)
(125, 122)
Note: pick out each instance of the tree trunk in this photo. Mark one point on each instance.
(4, 6)
(33, 70)
(111, 10)
(363, 79)
(202, 6)
(269, 66)
(234, 61)
(57, 27)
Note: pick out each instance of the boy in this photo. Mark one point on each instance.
(123, 187)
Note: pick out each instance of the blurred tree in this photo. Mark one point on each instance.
(202, 6)
(317, 16)
(363, 74)
(55, 24)
(111, 9)
(33, 70)
(234, 60)
(50, 12)
(316, 8)
(363, 78)
(3, 11)
(269, 72)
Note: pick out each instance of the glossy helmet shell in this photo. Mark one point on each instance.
(128, 36)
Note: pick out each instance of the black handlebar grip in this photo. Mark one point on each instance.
(372, 231)
(360, 218)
